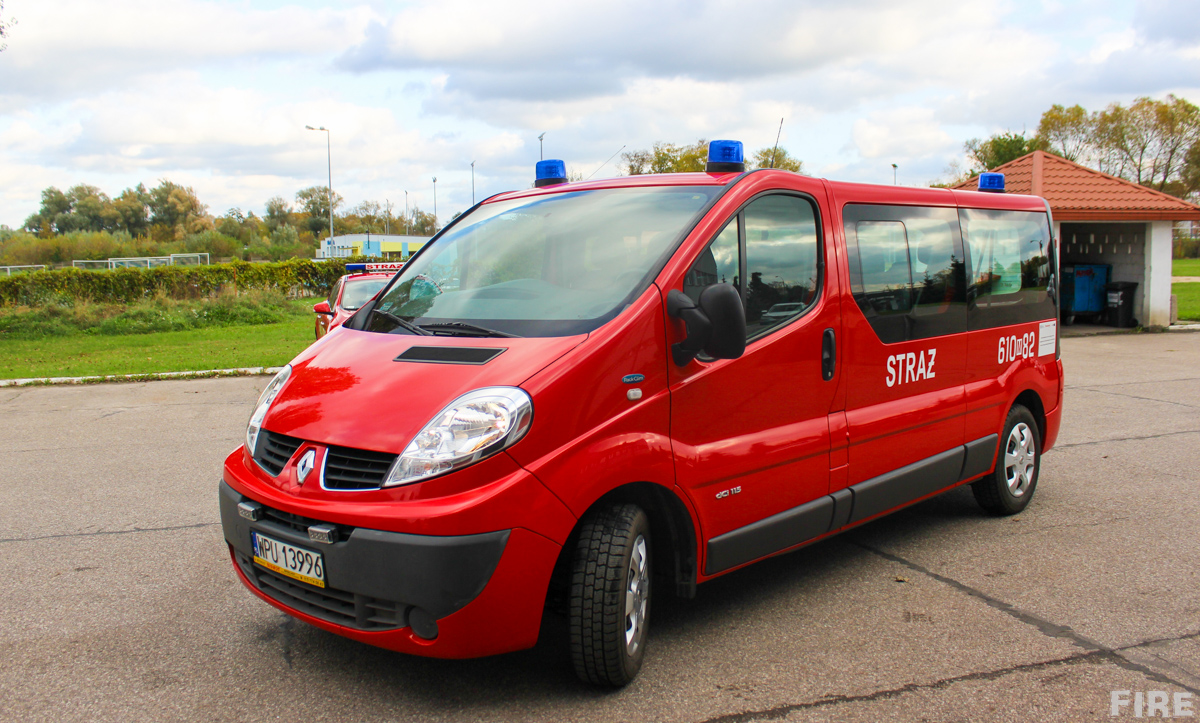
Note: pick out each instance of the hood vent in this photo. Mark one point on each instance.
(450, 354)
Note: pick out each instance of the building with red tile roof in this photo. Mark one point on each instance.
(1102, 219)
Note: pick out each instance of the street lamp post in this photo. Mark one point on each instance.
(329, 161)
(541, 154)
(472, 183)
(406, 213)
(894, 176)
(435, 204)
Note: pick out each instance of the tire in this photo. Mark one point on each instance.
(1010, 486)
(608, 605)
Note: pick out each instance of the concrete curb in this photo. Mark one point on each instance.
(160, 376)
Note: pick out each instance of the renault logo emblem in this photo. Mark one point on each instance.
(305, 466)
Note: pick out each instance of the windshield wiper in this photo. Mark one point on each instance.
(403, 324)
(471, 329)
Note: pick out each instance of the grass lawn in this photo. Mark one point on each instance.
(1188, 296)
(1185, 267)
(208, 348)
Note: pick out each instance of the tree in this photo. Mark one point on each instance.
(133, 210)
(777, 158)
(1066, 132)
(999, 149)
(314, 201)
(1148, 142)
(421, 223)
(278, 212)
(370, 216)
(5, 27)
(666, 158)
(175, 210)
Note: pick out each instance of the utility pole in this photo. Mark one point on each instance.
(406, 213)
(329, 161)
(435, 204)
(387, 220)
(472, 183)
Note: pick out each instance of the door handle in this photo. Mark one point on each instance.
(828, 354)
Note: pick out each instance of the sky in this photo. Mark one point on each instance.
(216, 94)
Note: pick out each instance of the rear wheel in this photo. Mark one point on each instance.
(608, 605)
(1010, 486)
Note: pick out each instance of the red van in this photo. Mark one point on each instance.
(594, 393)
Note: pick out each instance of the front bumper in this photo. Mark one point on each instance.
(445, 594)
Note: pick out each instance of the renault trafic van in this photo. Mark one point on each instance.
(587, 395)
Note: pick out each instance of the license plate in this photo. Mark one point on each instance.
(294, 562)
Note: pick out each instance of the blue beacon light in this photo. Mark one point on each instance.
(550, 173)
(991, 182)
(725, 157)
(351, 268)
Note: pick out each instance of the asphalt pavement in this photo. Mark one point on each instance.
(119, 601)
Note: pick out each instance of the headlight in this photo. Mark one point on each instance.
(264, 403)
(473, 427)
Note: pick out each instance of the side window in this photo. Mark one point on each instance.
(1011, 259)
(781, 261)
(886, 295)
(717, 264)
(333, 294)
(907, 270)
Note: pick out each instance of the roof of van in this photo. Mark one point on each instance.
(845, 191)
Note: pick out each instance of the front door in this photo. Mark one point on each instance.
(750, 435)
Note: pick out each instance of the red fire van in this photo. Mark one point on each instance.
(594, 393)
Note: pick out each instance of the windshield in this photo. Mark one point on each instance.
(543, 266)
(358, 293)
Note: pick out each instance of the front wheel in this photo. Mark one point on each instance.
(1010, 486)
(609, 602)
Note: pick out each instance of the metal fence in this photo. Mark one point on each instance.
(143, 262)
(10, 270)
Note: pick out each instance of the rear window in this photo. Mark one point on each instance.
(358, 293)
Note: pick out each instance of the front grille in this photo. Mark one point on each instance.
(336, 606)
(356, 469)
(274, 450)
(300, 524)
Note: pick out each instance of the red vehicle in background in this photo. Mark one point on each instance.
(351, 292)
(582, 395)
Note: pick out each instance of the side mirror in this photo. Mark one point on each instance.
(715, 326)
(323, 308)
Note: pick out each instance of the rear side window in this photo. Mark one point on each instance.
(1011, 264)
(907, 270)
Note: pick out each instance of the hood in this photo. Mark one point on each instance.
(347, 389)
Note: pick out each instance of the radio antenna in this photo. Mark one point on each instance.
(777, 134)
(602, 165)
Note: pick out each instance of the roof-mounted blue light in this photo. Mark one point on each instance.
(991, 182)
(725, 157)
(549, 173)
(351, 268)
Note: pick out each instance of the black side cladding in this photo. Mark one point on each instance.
(908, 483)
(980, 455)
(850, 505)
(772, 534)
(450, 354)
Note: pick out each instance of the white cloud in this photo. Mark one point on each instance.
(216, 94)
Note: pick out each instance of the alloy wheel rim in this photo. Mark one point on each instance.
(1020, 459)
(637, 595)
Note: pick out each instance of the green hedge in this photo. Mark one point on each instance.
(301, 277)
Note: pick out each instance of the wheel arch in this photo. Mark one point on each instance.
(1032, 401)
(672, 532)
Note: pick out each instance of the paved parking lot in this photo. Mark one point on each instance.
(119, 602)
